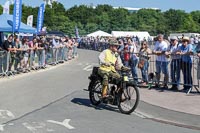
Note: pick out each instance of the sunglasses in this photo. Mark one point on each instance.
(172, 40)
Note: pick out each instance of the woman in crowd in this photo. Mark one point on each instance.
(143, 61)
(186, 52)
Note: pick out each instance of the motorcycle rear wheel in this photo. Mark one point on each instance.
(95, 93)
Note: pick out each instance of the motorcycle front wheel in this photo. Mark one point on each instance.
(128, 99)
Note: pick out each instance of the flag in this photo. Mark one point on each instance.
(6, 7)
(17, 14)
(30, 20)
(40, 18)
(76, 32)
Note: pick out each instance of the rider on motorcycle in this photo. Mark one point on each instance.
(110, 61)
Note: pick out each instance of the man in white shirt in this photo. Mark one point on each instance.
(161, 60)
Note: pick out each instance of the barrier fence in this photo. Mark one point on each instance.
(184, 72)
(27, 59)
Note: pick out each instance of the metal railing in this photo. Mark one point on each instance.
(24, 60)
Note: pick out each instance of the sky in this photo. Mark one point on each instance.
(186, 5)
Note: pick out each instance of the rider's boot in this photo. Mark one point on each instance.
(105, 96)
(104, 90)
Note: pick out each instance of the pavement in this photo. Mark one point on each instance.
(172, 100)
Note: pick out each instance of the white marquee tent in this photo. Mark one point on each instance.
(140, 34)
(99, 33)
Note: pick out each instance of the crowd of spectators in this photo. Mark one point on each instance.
(30, 54)
(171, 55)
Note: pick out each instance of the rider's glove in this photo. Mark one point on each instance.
(124, 68)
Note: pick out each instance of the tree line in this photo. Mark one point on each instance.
(106, 18)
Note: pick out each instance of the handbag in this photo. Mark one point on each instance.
(141, 63)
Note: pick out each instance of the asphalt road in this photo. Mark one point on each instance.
(53, 100)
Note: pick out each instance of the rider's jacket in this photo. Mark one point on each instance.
(108, 57)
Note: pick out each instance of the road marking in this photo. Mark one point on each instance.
(88, 68)
(65, 123)
(50, 130)
(142, 114)
(2, 128)
(5, 114)
(11, 124)
(29, 127)
(139, 115)
(36, 125)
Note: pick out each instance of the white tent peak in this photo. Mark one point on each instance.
(99, 33)
(140, 34)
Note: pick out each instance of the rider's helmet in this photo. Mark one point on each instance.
(114, 42)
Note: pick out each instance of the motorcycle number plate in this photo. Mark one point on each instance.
(125, 78)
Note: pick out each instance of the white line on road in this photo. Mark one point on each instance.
(6, 114)
(29, 127)
(65, 123)
(88, 68)
(34, 126)
(142, 114)
(2, 128)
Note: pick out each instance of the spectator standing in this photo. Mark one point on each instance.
(69, 46)
(175, 64)
(133, 60)
(198, 54)
(75, 45)
(7, 46)
(17, 56)
(56, 44)
(12, 54)
(126, 54)
(66, 48)
(143, 61)
(161, 60)
(41, 53)
(120, 50)
(186, 52)
(26, 52)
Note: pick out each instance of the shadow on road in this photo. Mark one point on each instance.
(86, 102)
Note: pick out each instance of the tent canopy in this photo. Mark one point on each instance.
(140, 34)
(6, 27)
(99, 33)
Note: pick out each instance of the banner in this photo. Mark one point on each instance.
(40, 18)
(6, 7)
(17, 14)
(30, 20)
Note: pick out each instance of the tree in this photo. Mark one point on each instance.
(104, 17)
(196, 17)
(1, 9)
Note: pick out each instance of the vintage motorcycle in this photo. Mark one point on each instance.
(122, 92)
